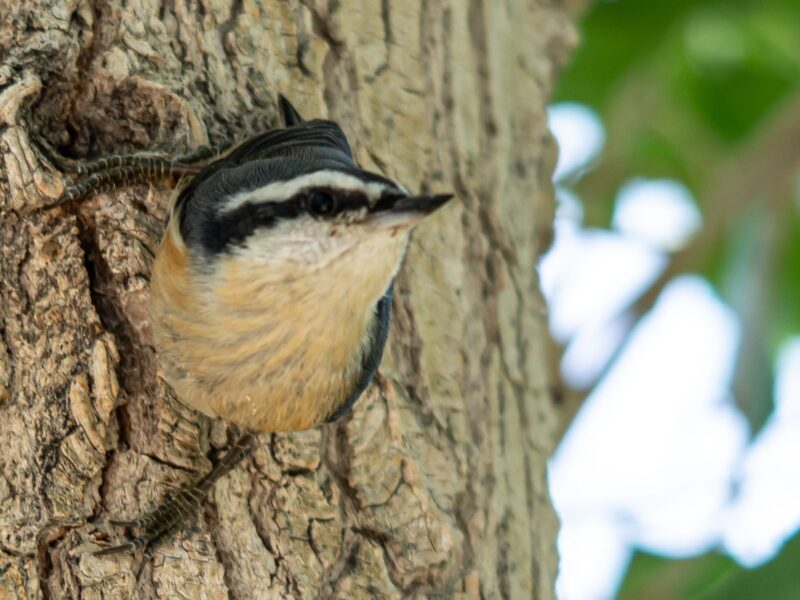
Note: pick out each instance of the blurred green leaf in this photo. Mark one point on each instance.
(678, 85)
(713, 577)
(786, 315)
(617, 35)
(746, 281)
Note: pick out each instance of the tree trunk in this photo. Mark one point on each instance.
(435, 484)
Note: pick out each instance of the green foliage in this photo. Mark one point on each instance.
(708, 92)
(787, 282)
(714, 577)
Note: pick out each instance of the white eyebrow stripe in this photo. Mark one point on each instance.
(283, 190)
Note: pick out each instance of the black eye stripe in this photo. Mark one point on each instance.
(233, 228)
(303, 202)
(297, 205)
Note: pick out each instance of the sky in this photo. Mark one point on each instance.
(658, 457)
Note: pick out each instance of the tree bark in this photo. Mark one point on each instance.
(435, 485)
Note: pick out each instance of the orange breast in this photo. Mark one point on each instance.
(267, 353)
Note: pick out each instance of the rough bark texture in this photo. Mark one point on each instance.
(435, 485)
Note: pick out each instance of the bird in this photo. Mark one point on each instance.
(271, 291)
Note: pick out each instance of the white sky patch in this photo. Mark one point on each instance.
(593, 552)
(662, 212)
(568, 206)
(590, 275)
(767, 510)
(654, 447)
(787, 383)
(676, 366)
(580, 135)
(589, 351)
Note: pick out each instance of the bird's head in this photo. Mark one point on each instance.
(294, 202)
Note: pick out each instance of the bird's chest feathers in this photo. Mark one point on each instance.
(313, 318)
(269, 346)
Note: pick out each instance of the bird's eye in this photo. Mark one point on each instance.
(321, 203)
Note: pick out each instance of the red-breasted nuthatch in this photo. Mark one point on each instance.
(272, 289)
(271, 292)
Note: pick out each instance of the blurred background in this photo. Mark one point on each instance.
(674, 293)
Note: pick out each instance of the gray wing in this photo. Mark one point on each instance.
(372, 358)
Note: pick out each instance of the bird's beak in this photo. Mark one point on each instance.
(404, 211)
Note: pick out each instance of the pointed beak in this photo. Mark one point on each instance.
(405, 211)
